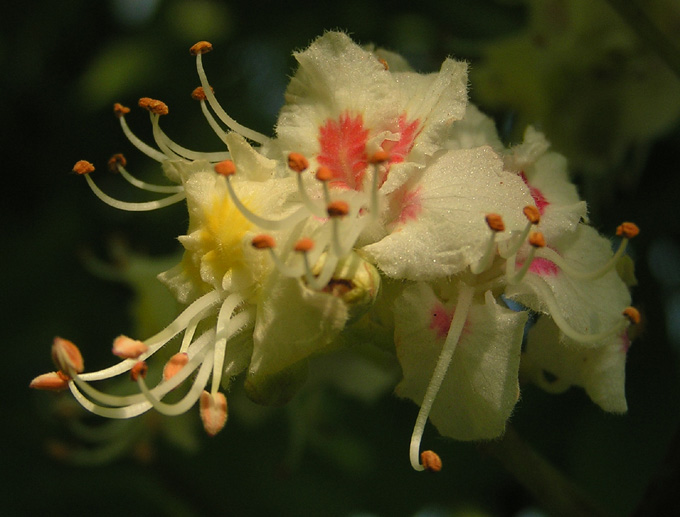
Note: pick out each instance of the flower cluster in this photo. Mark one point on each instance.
(385, 204)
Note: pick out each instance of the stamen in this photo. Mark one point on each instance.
(625, 230)
(127, 348)
(456, 328)
(324, 175)
(227, 169)
(263, 242)
(213, 409)
(537, 241)
(297, 162)
(67, 357)
(533, 217)
(153, 106)
(186, 402)
(139, 371)
(267, 242)
(632, 314)
(118, 162)
(199, 95)
(197, 309)
(495, 224)
(83, 167)
(222, 335)
(337, 210)
(53, 381)
(304, 246)
(431, 461)
(132, 207)
(198, 50)
(378, 158)
(546, 295)
(175, 364)
(119, 110)
(532, 214)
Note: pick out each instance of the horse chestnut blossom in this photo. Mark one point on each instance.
(383, 192)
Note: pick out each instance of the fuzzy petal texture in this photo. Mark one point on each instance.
(555, 365)
(438, 223)
(293, 322)
(480, 388)
(588, 306)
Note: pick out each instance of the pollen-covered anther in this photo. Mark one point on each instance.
(154, 106)
(116, 160)
(431, 461)
(202, 47)
(532, 214)
(384, 63)
(128, 348)
(53, 381)
(495, 222)
(213, 409)
(263, 242)
(537, 240)
(379, 156)
(67, 356)
(83, 167)
(337, 208)
(627, 230)
(198, 94)
(119, 110)
(324, 174)
(225, 168)
(139, 371)
(297, 162)
(174, 365)
(304, 245)
(632, 314)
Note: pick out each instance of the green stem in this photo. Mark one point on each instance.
(551, 489)
(638, 20)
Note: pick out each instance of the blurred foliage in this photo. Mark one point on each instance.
(65, 63)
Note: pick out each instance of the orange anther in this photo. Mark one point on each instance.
(532, 214)
(305, 244)
(153, 105)
(431, 461)
(495, 222)
(175, 364)
(379, 157)
(213, 409)
(116, 160)
(263, 242)
(632, 314)
(66, 356)
(537, 240)
(225, 168)
(324, 174)
(53, 381)
(128, 348)
(119, 110)
(139, 370)
(83, 167)
(297, 162)
(627, 230)
(384, 64)
(202, 47)
(199, 93)
(337, 208)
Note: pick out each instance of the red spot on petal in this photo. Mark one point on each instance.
(343, 149)
(440, 321)
(539, 199)
(398, 150)
(543, 267)
(410, 205)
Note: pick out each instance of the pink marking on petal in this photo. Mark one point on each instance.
(539, 198)
(543, 267)
(625, 343)
(440, 321)
(343, 149)
(411, 206)
(408, 131)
